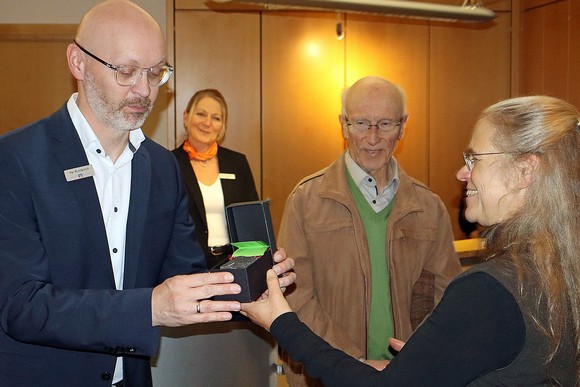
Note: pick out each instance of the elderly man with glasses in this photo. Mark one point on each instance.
(373, 247)
(96, 242)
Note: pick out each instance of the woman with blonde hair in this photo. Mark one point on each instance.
(214, 176)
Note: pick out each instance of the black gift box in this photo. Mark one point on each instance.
(249, 221)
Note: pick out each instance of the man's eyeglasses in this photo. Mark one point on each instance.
(470, 158)
(361, 126)
(127, 75)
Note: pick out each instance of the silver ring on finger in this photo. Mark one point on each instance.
(199, 307)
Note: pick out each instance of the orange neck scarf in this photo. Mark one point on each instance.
(195, 155)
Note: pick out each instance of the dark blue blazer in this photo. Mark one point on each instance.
(62, 321)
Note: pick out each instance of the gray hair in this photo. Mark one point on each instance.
(543, 235)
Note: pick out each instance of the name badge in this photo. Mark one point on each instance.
(227, 176)
(79, 173)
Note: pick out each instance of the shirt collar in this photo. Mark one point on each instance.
(360, 176)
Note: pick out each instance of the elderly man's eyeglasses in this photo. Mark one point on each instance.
(127, 75)
(362, 126)
(471, 158)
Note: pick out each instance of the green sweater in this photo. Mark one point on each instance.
(381, 326)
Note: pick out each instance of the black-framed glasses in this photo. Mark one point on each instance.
(470, 158)
(127, 75)
(362, 126)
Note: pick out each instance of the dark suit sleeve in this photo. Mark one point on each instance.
(184, 254)
(475, 329)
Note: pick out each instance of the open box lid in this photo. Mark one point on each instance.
(251, 221)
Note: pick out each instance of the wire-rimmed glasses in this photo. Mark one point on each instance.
(127, 75)
(470, 158)
(362, 126)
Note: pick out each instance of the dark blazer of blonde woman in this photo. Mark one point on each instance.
(238, 187)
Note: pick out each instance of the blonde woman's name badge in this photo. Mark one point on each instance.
(228, 176)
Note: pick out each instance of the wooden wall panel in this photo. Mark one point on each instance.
(574, 60)
(189, 4)
(531, 4)
(531, 52)
(549, 58)
(302, 80)
(222, 51)
(469, 70)
(39, 81)
(398, 50)
(556, 53)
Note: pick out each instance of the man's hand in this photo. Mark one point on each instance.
(184, 299)
(282, 268)
(379, 365)
(397, 345)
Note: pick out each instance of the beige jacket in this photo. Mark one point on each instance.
(322, 230)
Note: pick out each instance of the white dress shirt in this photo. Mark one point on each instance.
(113, 185)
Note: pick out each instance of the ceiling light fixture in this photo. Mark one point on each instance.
(340, 26)
(469, 11)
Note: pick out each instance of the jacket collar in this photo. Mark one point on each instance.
(69, 152)
(335, 186)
